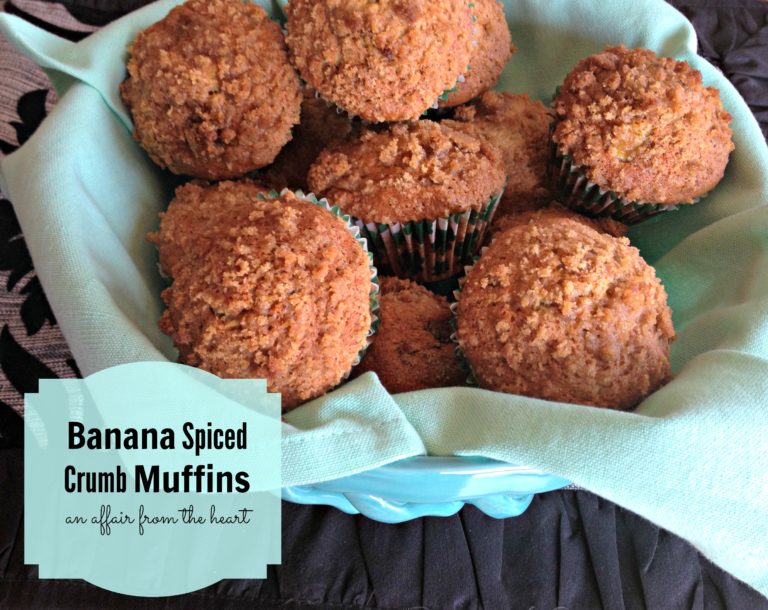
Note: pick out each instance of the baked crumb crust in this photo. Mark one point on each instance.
(410, 172)
(489, 56)
(320, 125)
(382, 61)
(276, 289)
(554, 309)
(519, 127)
(643, 126)
(555, 210)
(412, 348)
(210, 89)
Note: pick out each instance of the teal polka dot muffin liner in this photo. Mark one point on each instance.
(571, 187)
(428, 250)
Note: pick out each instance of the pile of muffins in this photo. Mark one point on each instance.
(423, 181)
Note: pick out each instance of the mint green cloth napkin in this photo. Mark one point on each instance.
(693, 458)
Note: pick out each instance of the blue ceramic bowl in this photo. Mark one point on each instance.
(430, 486)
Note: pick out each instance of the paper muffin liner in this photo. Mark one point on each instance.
(373, 294)
(353, 118)
(572, 188)
(439, 108)
(439, 104)
(428, 250)
(458, 352)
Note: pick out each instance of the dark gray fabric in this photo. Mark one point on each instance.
(570, 549)
(734, 37)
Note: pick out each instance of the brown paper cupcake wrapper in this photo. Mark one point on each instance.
(373, 294)
(428, 250)
(571, 187)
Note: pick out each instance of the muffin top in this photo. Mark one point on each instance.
(198, 218)
(489, 56)
(519, 127)
(554, 211)
(412, 348)
(554, 309)
(210, 89)
(382, 61)
(283, 295)
(320, 125)
(409, 172)
(643, 126)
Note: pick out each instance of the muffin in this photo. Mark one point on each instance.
(554, 309)
(272, 288)
(210, 89)
(321, 124)
(422, 194)
(489, 56)
(382, 61)
(519, 127)
(636, 134)
(412, 348)
(555, 211)
(196, 219)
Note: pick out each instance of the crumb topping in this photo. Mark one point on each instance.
(210, 89)
(412, 349)
(519, 127)
(643, 126)
(555, 211)
(489, 56)
(321, 124)
(283, 295)
(383, 61)
(410, 172)
(555, 310)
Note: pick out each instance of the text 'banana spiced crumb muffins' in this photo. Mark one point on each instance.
(554, 309)
(283, 291)
(412, 348)
(519, 127)
(636, 134)
(490, 54)
(422, 194)
(210, 89)
(382, 61)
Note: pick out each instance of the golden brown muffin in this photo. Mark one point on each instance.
(321, 124)
(489, 56)
(381, 61)
(643, 126)
(283, 295)
(412, 349)
(556, 310)
(210, 89)
(554, 211)
(414, 171)
(519, 127)
(195, 220)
